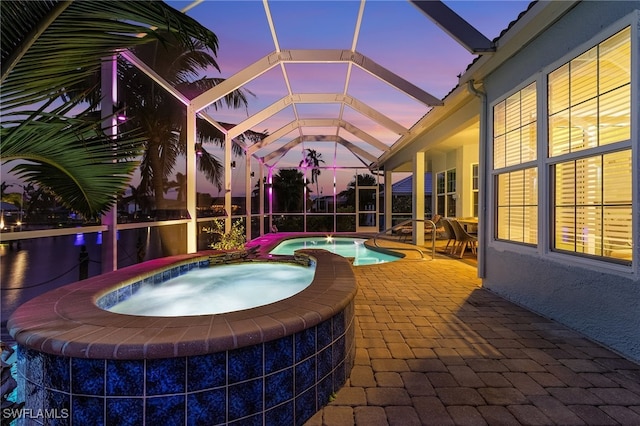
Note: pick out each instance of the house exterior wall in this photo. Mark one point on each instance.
(444, 131)
(467, 156)
(597, 298)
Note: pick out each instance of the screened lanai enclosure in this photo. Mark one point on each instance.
(281, 131)
(332, 110)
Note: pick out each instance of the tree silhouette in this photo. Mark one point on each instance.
(288, 190)
(54, 48)
(313, 159)
(361, 180)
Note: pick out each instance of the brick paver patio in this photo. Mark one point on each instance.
(433, 348)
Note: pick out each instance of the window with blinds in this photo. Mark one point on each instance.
(514, 129)
(475, 188)
(514, 147)
(446, 193)
(590, 98)
(589, 111)
(517, 206)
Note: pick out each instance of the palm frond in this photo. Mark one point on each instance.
(69, 156)
(72, 47)
(211, 167)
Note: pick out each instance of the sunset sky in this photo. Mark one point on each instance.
(395, 34)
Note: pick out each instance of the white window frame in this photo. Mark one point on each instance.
(446, 192)
(543, 162)
(475, 189)
(493, 173)
(633, 144)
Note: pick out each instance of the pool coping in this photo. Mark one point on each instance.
(67, 321)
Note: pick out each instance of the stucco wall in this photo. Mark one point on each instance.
(587, 296)
(583, 22)
(603, 306)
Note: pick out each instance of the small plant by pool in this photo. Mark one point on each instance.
(344, 246)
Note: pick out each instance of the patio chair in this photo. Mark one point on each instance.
(439, 226)
(463, 238)
(448, 234)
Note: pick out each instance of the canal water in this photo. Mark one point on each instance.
(32, 267)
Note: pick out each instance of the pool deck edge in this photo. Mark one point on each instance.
(67, 321)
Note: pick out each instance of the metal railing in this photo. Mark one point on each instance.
(404, 224)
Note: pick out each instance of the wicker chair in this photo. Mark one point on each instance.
(438, 223)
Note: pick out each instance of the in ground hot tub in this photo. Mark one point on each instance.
(273, 364)
(215, 290)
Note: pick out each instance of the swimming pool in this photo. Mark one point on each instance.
(344, 246)
(220, 289)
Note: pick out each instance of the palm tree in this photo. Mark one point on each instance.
(3, 189)
(42, 58)
(288, 190)
(180, 184)
(313, 159)
(139, 199)
(162, 118)
(361, 180)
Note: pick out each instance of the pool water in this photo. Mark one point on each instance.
(218, 289)
(343, 246)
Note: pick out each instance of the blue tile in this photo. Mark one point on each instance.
(56, 372)
(305, 406)
(305, 375)
(340, 375)
(34, 396)
(165, 376)
(206, 408)
(33, 364)
(324, 391)
(255, 420)
(278, 354)
(125, 411)
(245, 399)
(325, 333)
(135, 287)
(157, 278)
(165, 410)
(349, 312)
(125, 377)
(100, 303)
(59, 406)
(339, 325)
(351, 333)
(166, 275)
(339, 351)
(192, 265)
(184, 269)
(350, 357)
(108, 300)
(124, 293)
(206, 371)
(245, 363)
(278, 388)
(149, 280)
(280, 415)
(86, 410)
(325, 362)
(175, 271)
(305, 343)
(87, 376)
